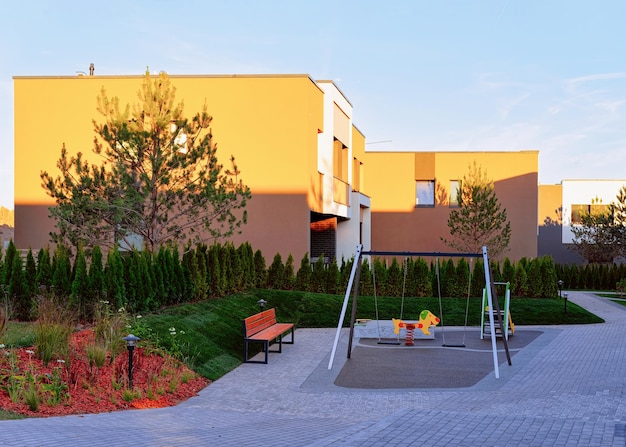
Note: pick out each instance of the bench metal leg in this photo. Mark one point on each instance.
(266, 347)
(266, 350)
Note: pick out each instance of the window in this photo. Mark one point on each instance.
(580, 210)
(340, 161)
(424, 193)
(454, 193)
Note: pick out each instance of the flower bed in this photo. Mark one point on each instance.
(79, 386)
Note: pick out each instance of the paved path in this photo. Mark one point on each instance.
(564, 389)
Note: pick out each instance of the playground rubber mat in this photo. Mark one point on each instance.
(427, 364)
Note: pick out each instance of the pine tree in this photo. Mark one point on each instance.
(508, 271)
(519, 286)
(30, 275)
(61, 272)
(395, 278)
(379, 275)
(214, 270)
(478, 278)
(480, 220)
(276, 273)
(423, 284)
(44, 268)
(366, 285)
(246, 257)
(226, 269)
(80, 285)
(159, 177)
(463, 286)
(96, 276)
(303, 277)
(11, 253)
(332, 277)
(260, 272)
(290, 277)
(17, 291)
(161, 276)
(318, 276)
(548, 277)
(115, 284)
(535, 286)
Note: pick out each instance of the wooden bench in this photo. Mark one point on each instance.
(263, 328)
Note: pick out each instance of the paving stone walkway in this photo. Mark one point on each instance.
(566, 388)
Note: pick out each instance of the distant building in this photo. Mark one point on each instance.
(560, 209)
(6, 235)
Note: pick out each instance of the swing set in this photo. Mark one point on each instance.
(493, 308)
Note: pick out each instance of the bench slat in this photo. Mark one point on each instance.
(257, 323)
(272, 332)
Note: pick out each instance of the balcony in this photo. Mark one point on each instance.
(341, 192)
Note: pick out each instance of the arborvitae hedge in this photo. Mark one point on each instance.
(144, 281)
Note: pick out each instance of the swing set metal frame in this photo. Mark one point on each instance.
(355, 275)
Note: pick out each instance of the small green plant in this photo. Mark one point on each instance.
(53, 329)
(13, 385)
(117, 385)
(56, 388)
(178, 347)
(110, 328)
(31, 394)
(186, 377)
(97, 355)
(129, 395)
(173, 385)
(139, 328)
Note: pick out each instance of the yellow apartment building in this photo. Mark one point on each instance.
(315, 188)
(292, 138)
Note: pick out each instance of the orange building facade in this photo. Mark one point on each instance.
(315, 188)
(414, 193)
(292, 138)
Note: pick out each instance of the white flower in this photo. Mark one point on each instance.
(182, 332)
(29, 352)
(138, 316)
(60, 361)
(172, 329)
(1, 345)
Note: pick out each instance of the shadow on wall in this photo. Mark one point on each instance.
(549, 239)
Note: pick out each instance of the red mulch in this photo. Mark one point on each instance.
(158, 381)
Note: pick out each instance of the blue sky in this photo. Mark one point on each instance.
(462, 75)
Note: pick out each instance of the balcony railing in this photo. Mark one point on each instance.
(341, 191)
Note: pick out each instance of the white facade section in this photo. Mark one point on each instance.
(333, 100)
(355, 230)
(581, 192)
